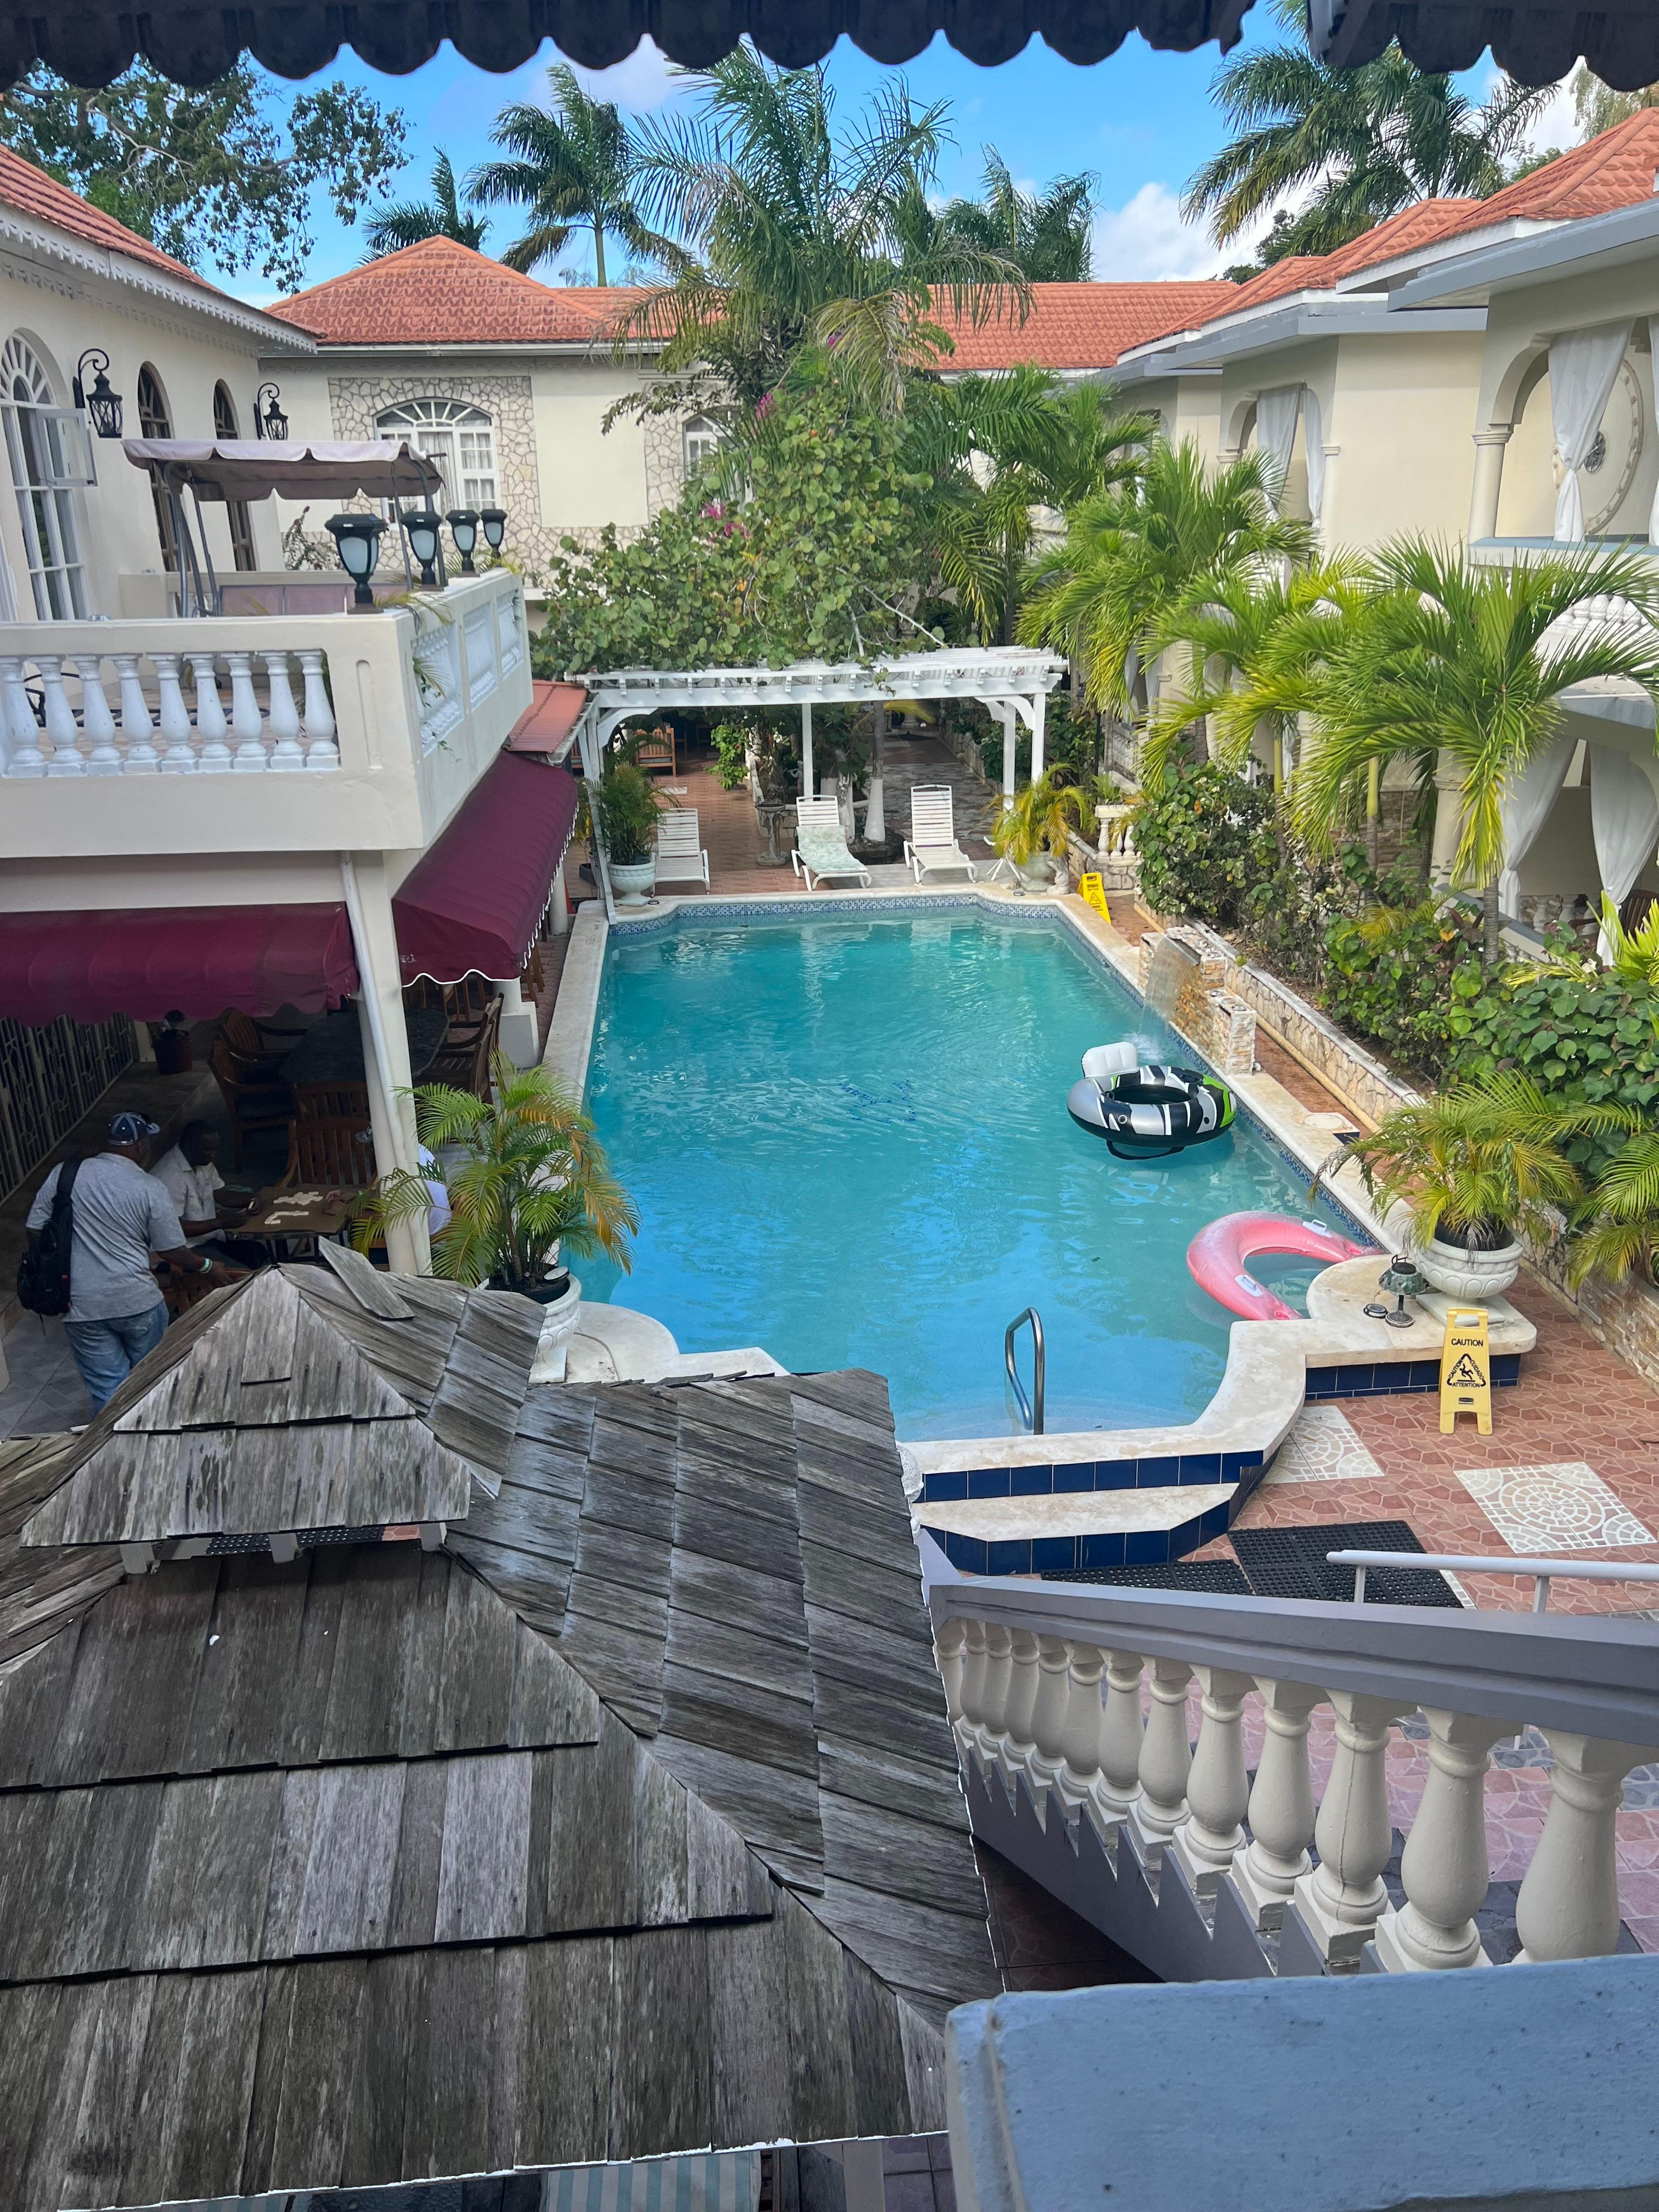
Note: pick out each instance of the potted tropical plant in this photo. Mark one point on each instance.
(1478, 1165)
(628, 821)
(1029, 833)
(527, 1180)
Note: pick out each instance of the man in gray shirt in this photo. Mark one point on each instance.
(117, 1313)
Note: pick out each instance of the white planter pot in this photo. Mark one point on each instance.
(1476, 1276)
(633, 881)
(1036, 875)
(559, 1320)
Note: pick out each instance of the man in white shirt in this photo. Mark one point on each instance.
(121, 1216)
(193, 1182)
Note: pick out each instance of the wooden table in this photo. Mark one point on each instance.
(279, 1215)
(332, 1050)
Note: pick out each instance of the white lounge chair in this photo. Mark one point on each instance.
(933, 839)
(680, 857)
(821, 846)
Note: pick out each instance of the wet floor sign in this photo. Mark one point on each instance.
(1092, 892)
(1465, 1370)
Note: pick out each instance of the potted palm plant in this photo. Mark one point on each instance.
(1029, 833)
(1478, 1165)
(527, 1180)
(627, 822)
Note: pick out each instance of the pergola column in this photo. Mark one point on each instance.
(386, 1045)
(808, 789)
(1039, 705)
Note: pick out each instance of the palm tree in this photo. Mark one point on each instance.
(1147, 551)
(790, 232)
(405, 223)
(1618, 1224)
(572, 167)
(1359, 144)
(1457, 664)
(1044, 233)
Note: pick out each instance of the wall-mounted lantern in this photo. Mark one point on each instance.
(101, 405)
(272, 422)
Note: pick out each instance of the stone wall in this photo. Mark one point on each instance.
(355, 401)
(1220, 1023)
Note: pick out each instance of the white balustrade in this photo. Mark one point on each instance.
(137, 727)
(1218, 1789)
(1281, 1807)
(1120, 1733)
(1046, 1757)
(969, 1686)
(1016, 1745)
(1080, 1783)
(999, 1674)
(96, 721)
(1568, 1907)
(1166, 1758)
(283, 717)
(177, 759)
(1443, 1868)
(321, 750)
(67, 758)
(211, 726)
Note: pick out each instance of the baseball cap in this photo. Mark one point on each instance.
(130, 1129)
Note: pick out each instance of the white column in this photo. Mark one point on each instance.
(245, 716)
(1166, 1760)
(386, 1045)
(1339, 1901)
(808, 789)
(1447, 821)
(517, 1035)
(1009, 718)
(1488, 481)
(1443, 1868)
(1568, 1907)
(558, 909)
(1218, 1790)
(321, 750)
(284, 718)
(211, 723)
(136, 725)
(1039, 707)
(1281, 1807)
(875, 812)
(1016, 1745)
(25, 755)
(1120, 1734)
(97, 722)
(67, 758)
(178, 759)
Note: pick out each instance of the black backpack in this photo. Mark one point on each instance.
(43, 1275)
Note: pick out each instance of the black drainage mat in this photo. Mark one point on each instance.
(1216, 1577)
(1291, 1563)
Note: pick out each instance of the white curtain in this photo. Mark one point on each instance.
(1653, 341)
(1624, 818)
(1312, 440)
(1584, 366)
(1275, 431)
(1527, 805)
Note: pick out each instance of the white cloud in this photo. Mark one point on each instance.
(639, 86)
(1148, 237)
(1556, 126)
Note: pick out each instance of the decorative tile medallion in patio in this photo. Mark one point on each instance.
(1562, 1507)
(1323, 1447)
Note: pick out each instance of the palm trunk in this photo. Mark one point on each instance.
(1373, 809)
(1278, 791)
(1492, 920)
(598, 253)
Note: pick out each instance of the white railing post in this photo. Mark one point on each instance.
(210, 724)
(1166, 1758)
(25, 757)
(1281, 1807)
(1120, 1733)
(1080, 1782)
(1568, 1907)
(67, 758)
(97, 722)
(1218, 1790)
(174, 717)
(245, 716)
(1339, 1901)
(284, 715)
(1444, 1869)
(321, 749)
(1017, 1747)
(1047, 1762)
(970, 1697)
(999, 1675)
(137, 727)
(948, 1639)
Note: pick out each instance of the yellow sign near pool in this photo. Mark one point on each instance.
(1092, 892)
(1465, 1370)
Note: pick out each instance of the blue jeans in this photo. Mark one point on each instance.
(106, 1351)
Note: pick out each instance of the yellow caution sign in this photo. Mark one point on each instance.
(1465, 1370)
(1092, 892)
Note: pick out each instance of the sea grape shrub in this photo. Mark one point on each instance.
(1205, 840)
(1404, 977)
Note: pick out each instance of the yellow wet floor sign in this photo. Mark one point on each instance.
(1092, 892)
(1465, 1370)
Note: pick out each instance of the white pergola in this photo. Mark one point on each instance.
(1011, 683)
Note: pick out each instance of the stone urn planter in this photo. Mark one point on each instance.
(1037, 875)
(1477, 1277)
(559, 1316)
(633, 881)
(777, 817)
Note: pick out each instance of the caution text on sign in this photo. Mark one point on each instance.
(1465, 1370)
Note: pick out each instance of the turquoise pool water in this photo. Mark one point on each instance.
(849, 1144)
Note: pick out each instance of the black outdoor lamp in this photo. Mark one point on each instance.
(357, 541)
(420, 528)
(1401, 1277)
(464, 528)
(103, 405)
(493, 519)
(273, 423)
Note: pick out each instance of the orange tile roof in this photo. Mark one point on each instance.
(1079, 326)
(32, 191)
(1616, 170)
(442, 293)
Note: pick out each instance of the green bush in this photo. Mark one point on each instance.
(1206, 841)
(731, 743)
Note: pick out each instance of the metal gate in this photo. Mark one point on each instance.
(49, 1077)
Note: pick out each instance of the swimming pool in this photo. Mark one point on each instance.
(848, 1142)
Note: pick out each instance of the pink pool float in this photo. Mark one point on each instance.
(1219, 1256)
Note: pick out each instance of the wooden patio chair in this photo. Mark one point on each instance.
(257, 1041)
(654, 750)
(468, 1001)
(336, 1153)
(253, 1104)
(464, 1061)
(332, 1101)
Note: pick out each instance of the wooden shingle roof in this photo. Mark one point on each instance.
(626, 1822)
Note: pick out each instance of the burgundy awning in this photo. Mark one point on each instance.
(150, 962)
(471, 906)
(546, 723)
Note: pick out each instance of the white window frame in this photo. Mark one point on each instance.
(48, 510)
(702, 438)
(443, 429)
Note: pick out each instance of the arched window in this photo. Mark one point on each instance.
(459, 438)
(703, 442)
(40, 475)
(242, 522)
(155, 422)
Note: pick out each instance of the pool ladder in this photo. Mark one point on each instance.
(1030, 1409)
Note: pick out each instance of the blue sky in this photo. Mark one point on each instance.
(1140, 121)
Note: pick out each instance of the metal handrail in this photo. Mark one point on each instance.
(1543, 1571)
(1030, 1409)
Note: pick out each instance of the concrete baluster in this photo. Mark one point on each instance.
(1281, 1807)
(999, 1677)
(245, 716)
(1339, 1901)
(24, 754)
(1053, 1693)
(1443, 1868)
(949, 1640)
(1166, 1758)
(1217, 1789)
(1568, 1907)
(97, 723)
(321, 750)
(1017, 1746)
(1079, 1782)
(211, 723)
(1120, 1734)
(283, 716)
(178, 759)
(971, 1694)
(67, 758)
(136, 728)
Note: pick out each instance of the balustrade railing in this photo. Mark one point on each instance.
(89, 713)
(1045, 1686)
